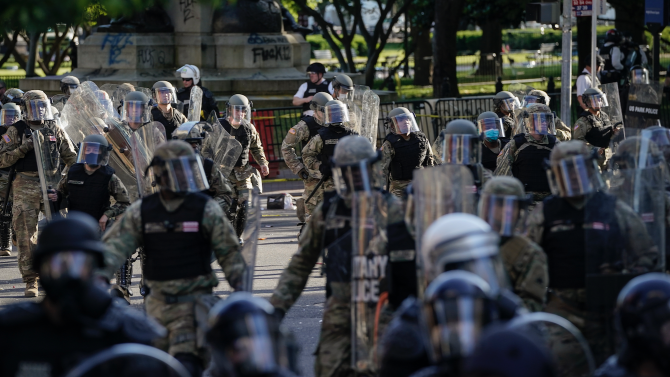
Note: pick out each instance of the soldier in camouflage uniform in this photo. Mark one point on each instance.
(405, 149)
(331, 223)
(563, 132)
(504, 105)
(502, 206)
(10, 114)
(178, 227)
(594, 126)
(301, 133)
(523, 157)
(68, 85)
(579, 214)
(17, 151)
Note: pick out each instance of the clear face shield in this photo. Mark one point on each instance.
(344, 93)
(540, 124)
(490, 268)
(491, 128)
(238, 113)
(510, 104)
(93, 154)
(403, 124)
(165, 96)
(184, 174)
(461, 149)
(38, 110)
(529, 100)
(639, 76)
(336, 114)
(71, 88)
(106, 103)
(9, 117)
(136, 112)
(503, 212)
(573, 177)
(353, 178)
(319, 111)
(68, 265)
(597, 101)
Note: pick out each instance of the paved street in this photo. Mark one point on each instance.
(274, 252)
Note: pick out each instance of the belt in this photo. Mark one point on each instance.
(177, 299)
(29, 177)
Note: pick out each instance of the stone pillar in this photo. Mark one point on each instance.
(193, 39)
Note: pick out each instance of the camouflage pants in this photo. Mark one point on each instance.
(397, 188)
(604, 159)
(316, 198)
(26, 209)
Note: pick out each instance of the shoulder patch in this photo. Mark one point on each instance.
(292, 131)
(6, 138)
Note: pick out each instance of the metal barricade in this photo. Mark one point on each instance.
(447, 109)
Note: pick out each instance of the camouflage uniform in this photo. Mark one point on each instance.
(180, 318)
(334, 350)
(28, 200)
(526, 265)
(563, 132)
(397, 187)
(509, 124)
(485, 173)
(220, 189)
(116, 190)
(240, 177)
(310, 157)
(584, 124)
(570, 303)
(300, 134)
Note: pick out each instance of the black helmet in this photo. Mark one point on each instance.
(613, 35)
(316, 68)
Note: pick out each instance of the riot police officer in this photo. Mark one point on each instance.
(28, 199)
(524, 156)
(10, 114)
(493, 134)
(563, 132)
(642, 314)
(504, 105)
(77, 317)
(12, 95)
(343, 87)
(307, 91)
(611, 53)
(330, 229)
(91, 182)
(136, 111)
(248, 320)
(68, 85)
(178, 228)
(317, 153)
(190, 76)
(238, 124)
(303, 132)
(164, 95)
(594, 125)
(405, 149)
(580, 226)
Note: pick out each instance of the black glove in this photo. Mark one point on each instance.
(303, 174)
(326, 170)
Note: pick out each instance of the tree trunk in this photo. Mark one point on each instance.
(32, 54)
(447, 16)
(424, 49)
(490, 60)
(583, 42)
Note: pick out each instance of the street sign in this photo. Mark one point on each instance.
(653, 12)
(583, 8)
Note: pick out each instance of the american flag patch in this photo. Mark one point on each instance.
(190, 226)
(52, 138)
(6, 138)
(647, 217)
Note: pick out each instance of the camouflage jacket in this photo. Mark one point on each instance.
(126, 235)
(586, 122)
(310, 156)
(388, 153)
(116, 190)
(10, 153)
(507, 156)
(563, 132)
(526, 265)
(296, 135)
(256, 146)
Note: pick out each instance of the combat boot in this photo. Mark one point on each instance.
(5, 253)
(31, 288)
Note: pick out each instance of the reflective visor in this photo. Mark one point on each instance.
(93, 154)
(237, 113)
(336, 114)
(527, 100)
(38, 109)
(491, 124)
(165, 96)
(572, 177)
(353, 178)
(9, 117)
(68, 265)
(489, 268)
(540, 124)
(404, 124)
(461, 149)
(502, 212)
(135, 112)
(510, 104)
(597, 101)
(186, 174)
(72, 88)
(639, 76)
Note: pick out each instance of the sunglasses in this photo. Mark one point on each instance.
(185, 79)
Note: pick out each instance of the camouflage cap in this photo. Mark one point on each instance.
(353, 149)
(504, 185)
(70, 80)
(540, 93)
(35, 94)
(173, 149)
(567, 149)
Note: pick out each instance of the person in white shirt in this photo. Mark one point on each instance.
(584, 79)
(316, 84)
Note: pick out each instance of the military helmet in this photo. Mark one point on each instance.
(567, 149)
(401, 121)
(352, 160)
(505, 101)
(594, 98)
(10, 114)
(136, 108)
(238, 108)
(318, 103)
(460, 143)
(190, 132)
(487, 115)
(37, 106)
(68, 84)
(353, 149)
(570, 162)
(172, 149)
(542, 96)
(503, 204)
(137, 96)
(14, 95)
(490, 126)
(94, 150)
(178, 168)
(342, 80)
(504, 185)
(461, 127)
(538, 119)
(335, 113)
(164, 93)
(97, 139)
(162, 84)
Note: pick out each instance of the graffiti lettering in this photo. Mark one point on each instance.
(117, 42)
(255, 39)
(149, 57)
(275, 53)
(186, 7)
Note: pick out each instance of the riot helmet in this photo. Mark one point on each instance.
(352, 161)
(638, 75)
(613, 36)
(318, 104)
(661, 137)
(506, 102)
(343, 87)
(238, 108)
(637, 152)
(13, 95)
(10, 114)
(401, 121)
(136, 109)
(461, 144)
(191, 72)
(503, 204)
(490, 126)
(538, 119)
(178, 168)
(164, 93)
(94, 150)
(595, 98)
(316, 69)
(461, 241)
(105, 102)
(536, 96)
(37, 106)
(245, 338)
(191, 132)
(572, 170)
(336, 113)
(69, 84)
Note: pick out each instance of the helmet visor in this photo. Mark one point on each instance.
(186, 174)
(639, 76)
(237, 113)
(572, 177)
(491, 124)
(353, 178)
(404, 124)
(510, 104)
(93, 154)
(597, 101)
(502, 212)
(9, 117)
(336, 114)
(165, 96)
(489, 268)
(528, 100)
(136, 112)
(540, 124)
(38, 109)
(461, 149)
(67, 265)
(344, 92)
(72, 88)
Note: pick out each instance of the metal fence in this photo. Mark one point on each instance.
(272, 126)
(447, 109)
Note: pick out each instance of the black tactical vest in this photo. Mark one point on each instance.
(174, 242)
(337, 240)
(601, 130)
(170, 125)
(312, 126)
(89, 193)
(312, 89)
(242, 134)
(29, 162)
(409, 155)
(490, 159)
(208, 165)
(330, 137)
(402, 267)
(528, 165)
(571, 233)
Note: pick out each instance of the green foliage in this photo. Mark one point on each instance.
(295, 9)
(358, 44)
